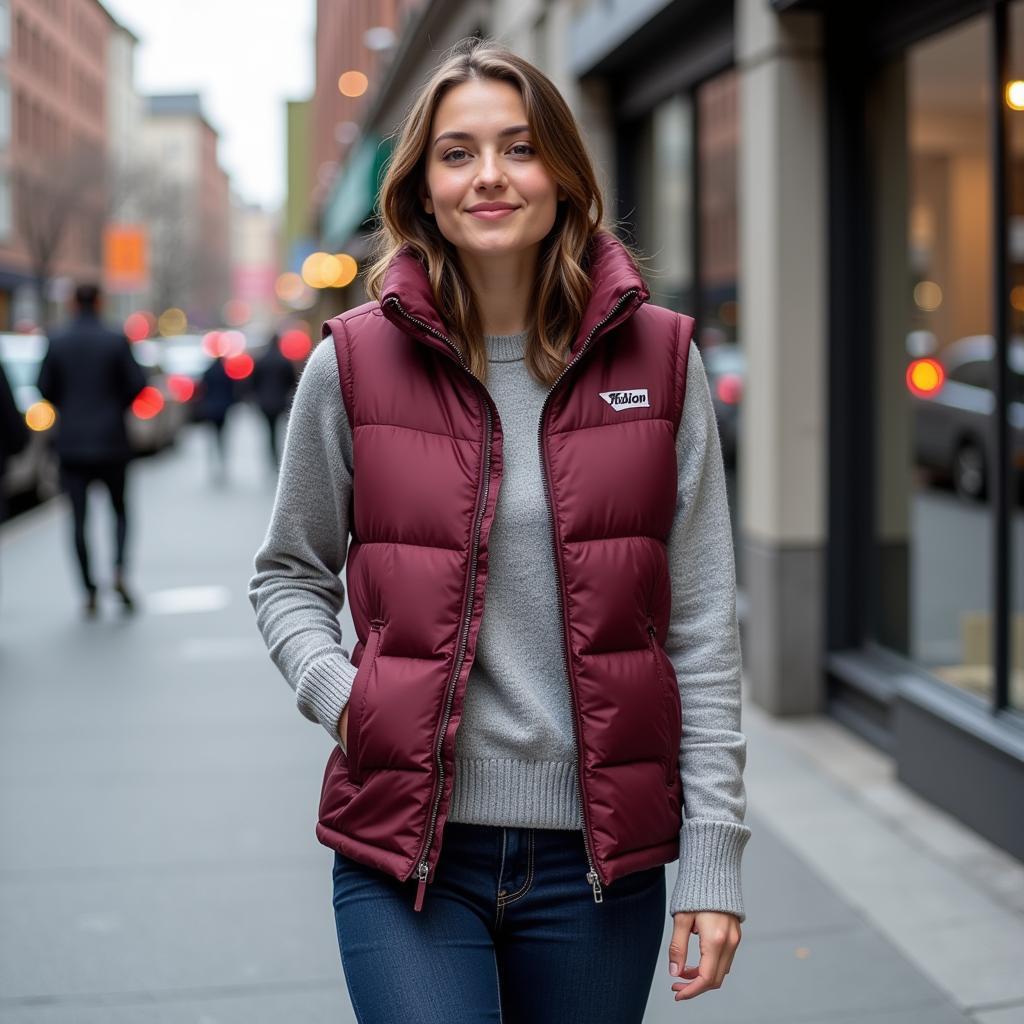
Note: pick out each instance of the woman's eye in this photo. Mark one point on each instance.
(456, 153)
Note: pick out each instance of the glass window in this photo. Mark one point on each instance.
(718, 120)
(931, 588)
(1015, 407)
(665, 203)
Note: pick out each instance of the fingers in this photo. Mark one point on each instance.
(719, 937)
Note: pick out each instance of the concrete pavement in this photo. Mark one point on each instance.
(158, 791)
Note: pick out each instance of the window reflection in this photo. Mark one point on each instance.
(932, 180)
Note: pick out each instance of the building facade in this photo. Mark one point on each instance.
(53, 137)
(832, 191)
(187, 209)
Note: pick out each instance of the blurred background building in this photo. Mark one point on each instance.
(189, 212)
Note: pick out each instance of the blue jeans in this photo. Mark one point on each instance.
(509, 932)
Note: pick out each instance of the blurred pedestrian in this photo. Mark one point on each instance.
(273, 385)
(90, 375)
(515, 454)
(217, 393)
(13, 434)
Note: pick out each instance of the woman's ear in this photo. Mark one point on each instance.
(428, 203)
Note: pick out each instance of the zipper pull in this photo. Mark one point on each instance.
(421, 889)
(595, 883)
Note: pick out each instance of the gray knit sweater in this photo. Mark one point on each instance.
(515, 745)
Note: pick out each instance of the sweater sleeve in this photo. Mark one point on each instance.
(297, 592)
(703, 644)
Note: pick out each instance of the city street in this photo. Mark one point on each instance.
(158, 792)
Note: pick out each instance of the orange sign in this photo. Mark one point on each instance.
(125, 267)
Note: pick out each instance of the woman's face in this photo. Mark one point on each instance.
(480, 152)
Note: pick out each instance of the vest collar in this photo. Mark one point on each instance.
(618, 291)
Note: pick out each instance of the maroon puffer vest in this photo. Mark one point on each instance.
(427, 469)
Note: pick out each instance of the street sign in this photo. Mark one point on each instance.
(125, 263)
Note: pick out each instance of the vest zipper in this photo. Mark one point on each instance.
(593, 875)
(423, 869)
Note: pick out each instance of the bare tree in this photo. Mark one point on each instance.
(49, 195)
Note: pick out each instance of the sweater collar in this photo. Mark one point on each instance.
(617, 292)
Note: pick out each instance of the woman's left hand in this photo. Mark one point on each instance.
(719, 935)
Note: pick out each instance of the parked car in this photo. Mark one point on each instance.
(157, 414)
(31, 474)
(953, 397)
(726, 368)
(183, 360)
(153, 421)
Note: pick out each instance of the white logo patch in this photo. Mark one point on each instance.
(620, 400)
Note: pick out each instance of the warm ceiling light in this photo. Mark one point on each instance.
(1015, 94)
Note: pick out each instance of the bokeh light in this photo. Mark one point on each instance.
(295, 344)
(232, 343)
(148, 403)
(289, 287)
(40, 416)
(925, 377)
(324, 270)
(172, 321)
(182, 388)
(353, 83)
(927, 296)
(238, 367)
(212, 344)
(137, 326)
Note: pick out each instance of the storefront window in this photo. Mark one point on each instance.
(929, 122)
(678, 217)
(718, 120)
(665, 215)
(1014, 98)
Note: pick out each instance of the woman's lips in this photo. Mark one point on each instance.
(493, 214)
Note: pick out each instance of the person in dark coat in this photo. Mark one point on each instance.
(273, 385)
(90, 375)
(217, 393)
(13, 433)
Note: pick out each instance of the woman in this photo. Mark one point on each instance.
(510, 419)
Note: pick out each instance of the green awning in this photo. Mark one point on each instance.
(355, 192)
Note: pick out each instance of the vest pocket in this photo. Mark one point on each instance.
(670, 695)
(357, 700)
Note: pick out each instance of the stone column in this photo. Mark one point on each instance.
(783, 305)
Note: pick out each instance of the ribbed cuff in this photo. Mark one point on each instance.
(513, 793)
(709, 868)
(323, 691)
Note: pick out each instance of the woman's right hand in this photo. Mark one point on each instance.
(343, 728)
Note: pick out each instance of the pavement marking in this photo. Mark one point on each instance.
(182, 600)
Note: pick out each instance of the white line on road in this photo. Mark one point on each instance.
(181, 600)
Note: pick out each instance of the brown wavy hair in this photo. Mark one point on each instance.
(563, 285)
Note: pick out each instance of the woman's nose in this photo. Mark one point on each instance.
(490, 172)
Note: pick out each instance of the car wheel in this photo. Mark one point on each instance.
(969, 477)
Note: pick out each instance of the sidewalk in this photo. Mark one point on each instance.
(158, 792)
